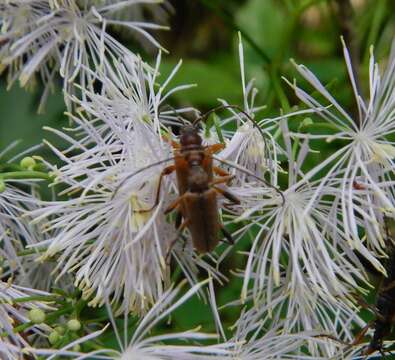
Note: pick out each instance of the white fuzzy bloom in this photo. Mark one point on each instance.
(130, 93)
(259, 336)
(13, 312)
(15, 231)
(65, 36)
(298, 260)
(111, 235)
(325, 326)
(141, 346)
(365, 164)
(251, 145)
(101, 234)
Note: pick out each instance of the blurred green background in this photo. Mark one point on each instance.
(204, 34)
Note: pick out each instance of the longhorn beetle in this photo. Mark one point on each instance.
(196, 205)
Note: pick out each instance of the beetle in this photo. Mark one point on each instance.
(196, 205)
(197, 201)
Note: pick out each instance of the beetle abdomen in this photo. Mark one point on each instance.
(202, 212)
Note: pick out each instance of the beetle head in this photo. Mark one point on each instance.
(190, 136)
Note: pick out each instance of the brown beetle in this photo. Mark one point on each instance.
(197, 201)
(196, 205)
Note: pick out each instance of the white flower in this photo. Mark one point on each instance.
(365, 164)
(258, 336)
(130, 93)
(66, 36)
(157, 11)
(15, 231)
(141, 346)
(13, 312)
(299, 260)
(105, 235)
(252, 145)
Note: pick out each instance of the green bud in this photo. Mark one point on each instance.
(77, 348)
(60, 330)
(306, 122)
(2, 186)
(27, 163)
(73, 325)
(53, 337)
(36, 316)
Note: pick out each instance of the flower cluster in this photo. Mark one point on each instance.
(16, 313)
(112, 241)
(67, 37)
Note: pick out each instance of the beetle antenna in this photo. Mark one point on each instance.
(179, 117)
(221, 107)
(138, 172)
(238, 108)
(252, 175)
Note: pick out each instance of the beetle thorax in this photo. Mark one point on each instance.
(198, 179)
(190, 138)
(194, 158)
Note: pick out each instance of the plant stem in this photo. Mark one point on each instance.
(17, 175)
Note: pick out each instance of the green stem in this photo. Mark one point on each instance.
(51, 317)
(31, 252)
(279, 90)
(21, 328)
(16, 175)
(56, 314)
(42, 298)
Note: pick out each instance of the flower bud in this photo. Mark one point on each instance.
(27, 163)
(53, 337)
(36, 316)
(60, 330)
(73, 325)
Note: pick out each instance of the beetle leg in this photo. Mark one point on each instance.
(174, 204)
(233, 199)
(178, 219)
(179, 233)
(221, 180)
(219, 171)
(166, 171)
(212, 149)
(173, 143)
(227, 235)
